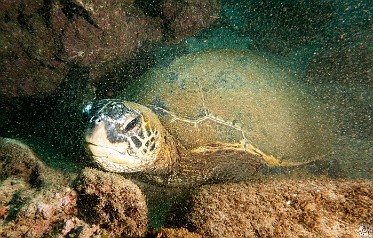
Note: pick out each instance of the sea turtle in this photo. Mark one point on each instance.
(210, 116)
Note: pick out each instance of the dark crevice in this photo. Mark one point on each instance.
(45, 12)
(151, 8)
(70, 9)
(36, 180)
(154, 8)
(167, 30)
(17, 203)
(22, 21)
(7, 18)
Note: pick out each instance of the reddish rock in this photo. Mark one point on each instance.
(282, 208)
(36, 201)
(188, 17)
(29, 63)
(40, 38)
(172, 233)
(31, 212)
(18, 160)
(111, 202)
(104, 32)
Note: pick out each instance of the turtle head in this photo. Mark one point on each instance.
(119, 137)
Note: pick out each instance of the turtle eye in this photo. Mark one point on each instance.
(87, 110)
(132, 124)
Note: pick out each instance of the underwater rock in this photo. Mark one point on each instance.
(34, 199)
(30, 64)
(40, 38)
(31, 212)
(172, 233)
(111, 202)
(103, 34)
(37, 201)
(185, 18)
(281, 208)
(17, 159)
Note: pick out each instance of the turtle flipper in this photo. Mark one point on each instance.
(209, 164)
(315, 167)
(220, 162)
(270, 160)
(273, 161)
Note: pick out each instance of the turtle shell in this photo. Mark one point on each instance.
(232, 96)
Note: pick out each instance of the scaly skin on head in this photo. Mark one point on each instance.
(126, 137)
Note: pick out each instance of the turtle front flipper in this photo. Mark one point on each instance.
(314, 167)
(237, 162)
(218, 162)
(270, 160)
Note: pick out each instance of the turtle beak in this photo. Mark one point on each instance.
(111, 156)
(99, 146)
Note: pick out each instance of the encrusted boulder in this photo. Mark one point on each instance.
(34, 199)
(278, 208)
(111, 202)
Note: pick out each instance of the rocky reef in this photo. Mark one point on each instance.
(38, 200)
(112, 202)
(278, 208)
